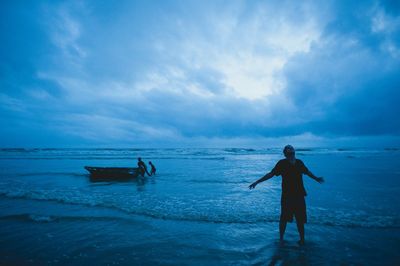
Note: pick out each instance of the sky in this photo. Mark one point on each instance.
(199, 73)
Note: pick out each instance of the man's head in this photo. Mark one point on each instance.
(139, 159)
(289, 151)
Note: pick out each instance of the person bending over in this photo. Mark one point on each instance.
(142, 167)
(153, 168)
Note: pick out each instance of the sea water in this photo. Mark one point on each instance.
(197, 209)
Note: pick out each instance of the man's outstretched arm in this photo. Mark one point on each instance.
(262, 179)
(316, 178)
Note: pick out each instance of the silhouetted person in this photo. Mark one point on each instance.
(153, 169)
(293, 192)
(142, 167)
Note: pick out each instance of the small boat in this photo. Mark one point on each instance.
(112, 173)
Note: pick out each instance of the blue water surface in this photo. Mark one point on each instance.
(197, 209)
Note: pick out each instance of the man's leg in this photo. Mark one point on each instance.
(300, 228)
(282, 228)
(284, 217)
(301, 217)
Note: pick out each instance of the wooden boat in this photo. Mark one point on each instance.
(112, 173)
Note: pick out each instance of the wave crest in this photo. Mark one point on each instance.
(187, 211)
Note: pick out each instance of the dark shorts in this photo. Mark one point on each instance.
(293, 206)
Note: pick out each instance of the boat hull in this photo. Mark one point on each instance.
(112, 173)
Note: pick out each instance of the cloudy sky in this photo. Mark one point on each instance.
(155, 73)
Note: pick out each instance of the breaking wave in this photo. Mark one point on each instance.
(181, 210)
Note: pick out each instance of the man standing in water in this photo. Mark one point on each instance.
(293, 192)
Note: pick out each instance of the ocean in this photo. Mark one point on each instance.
(197, 209)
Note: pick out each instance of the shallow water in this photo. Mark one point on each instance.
(197, 209)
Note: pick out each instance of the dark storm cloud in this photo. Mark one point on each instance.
(349, 82)
(83, 72)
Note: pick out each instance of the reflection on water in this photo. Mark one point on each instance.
(288, 254)
(139, 181)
